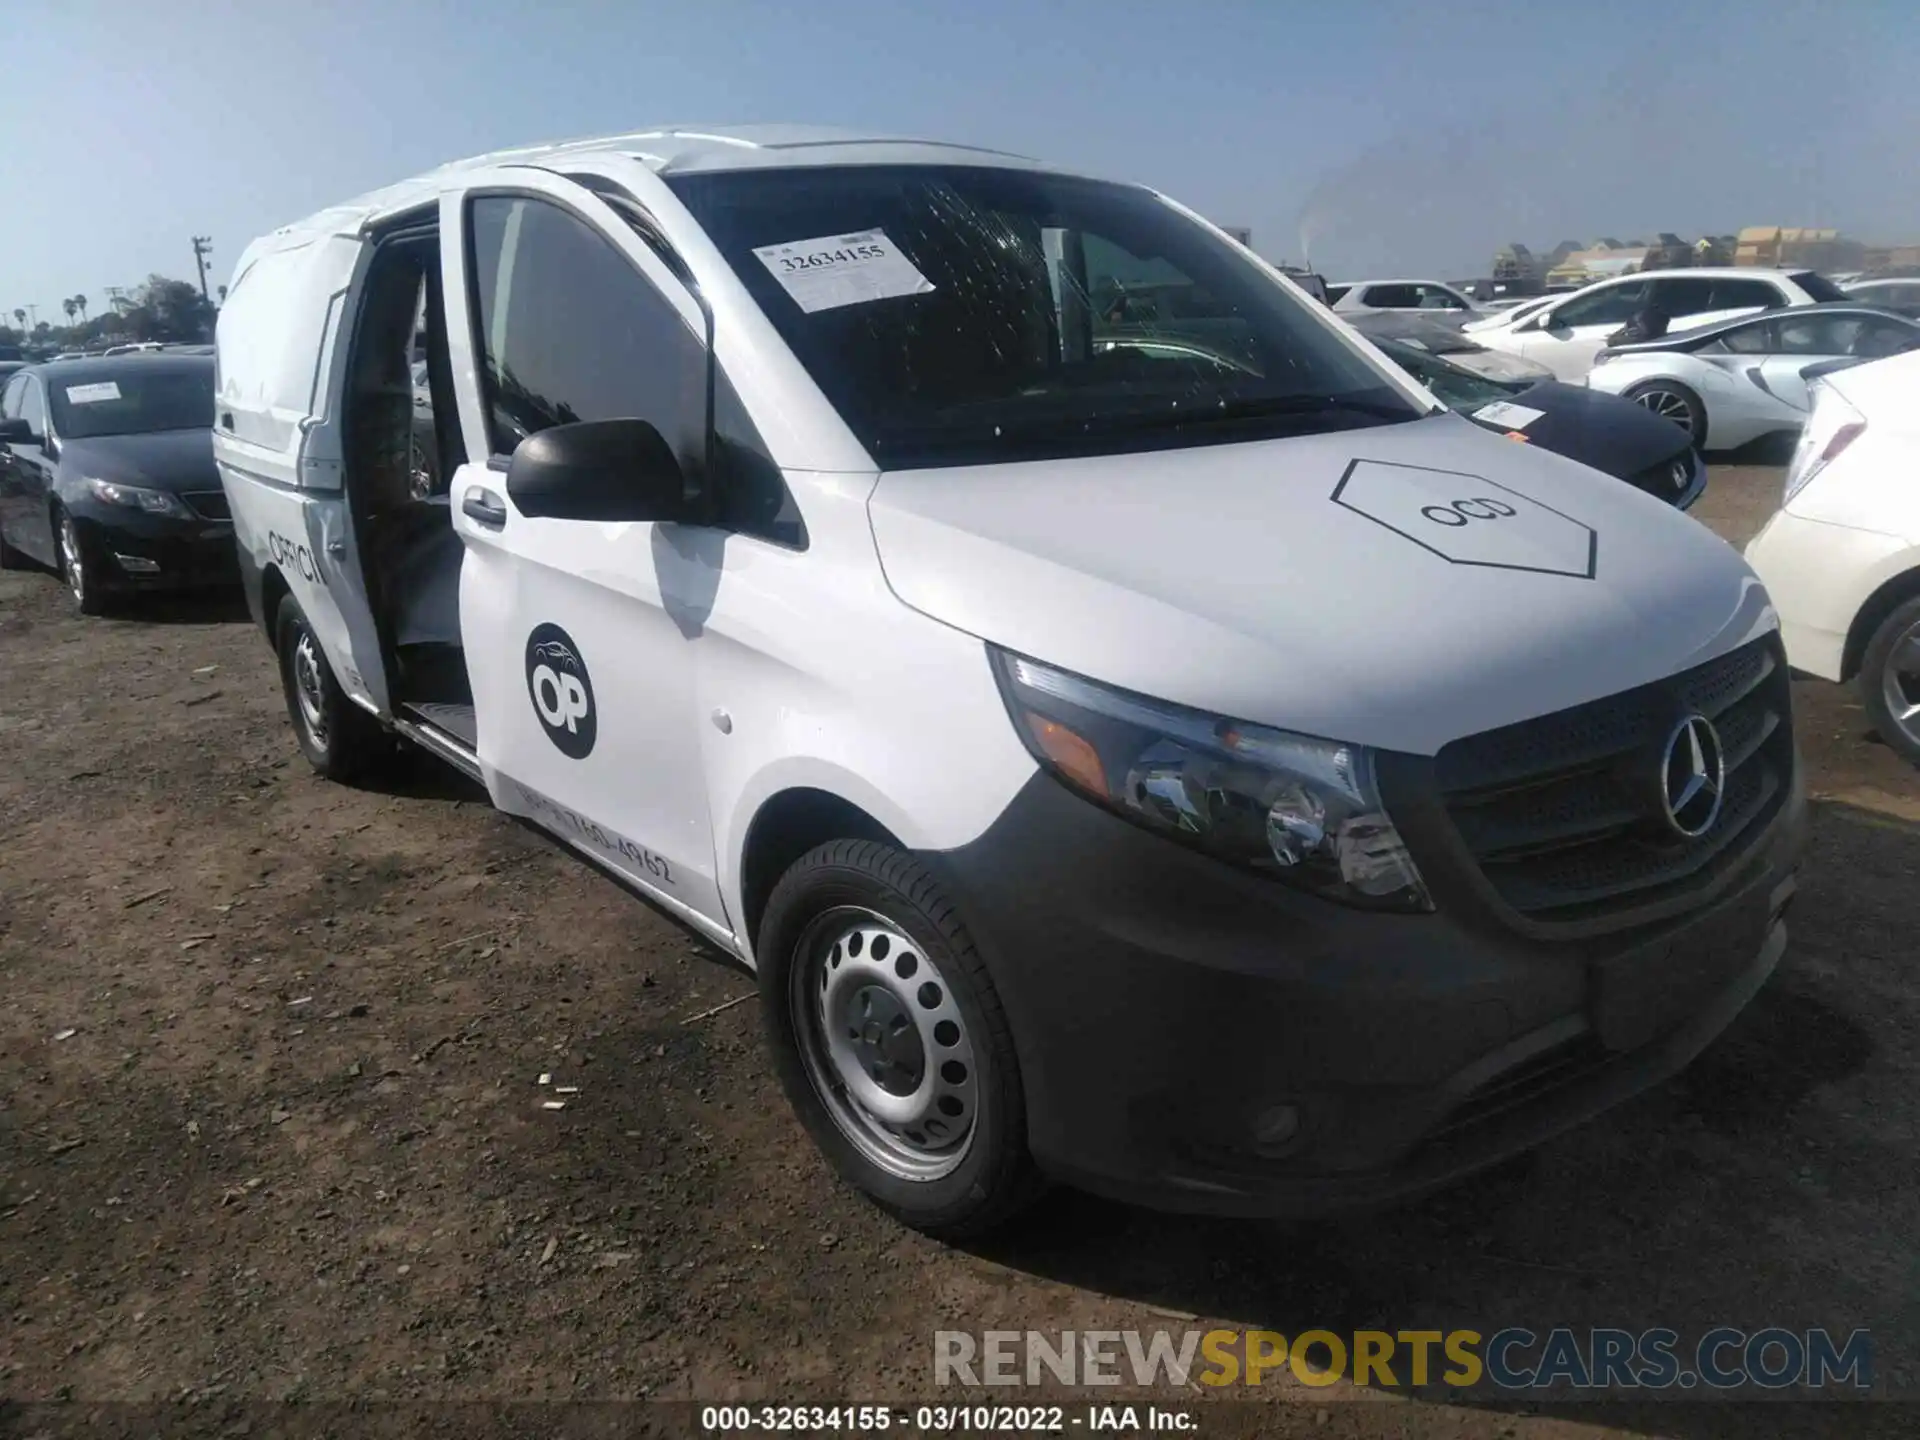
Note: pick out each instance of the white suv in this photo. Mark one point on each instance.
(1429, 297)
(1565, 335)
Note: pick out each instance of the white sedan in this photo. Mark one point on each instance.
(1739, 380)
(1841, 558)
(1565, 333)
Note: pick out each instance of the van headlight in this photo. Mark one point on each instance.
(1302, 810)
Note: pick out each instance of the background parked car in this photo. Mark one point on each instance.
(1612, 435)
(1437, 337)
(107, 476)
(1841, 557)
(1900, 294)
(1358, 297)
(1734, 382)
(1565, 334)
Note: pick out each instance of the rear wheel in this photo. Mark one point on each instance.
(339, 739)
(1671, 400)
(1890, 680)
(890, 1039)
(77, 567)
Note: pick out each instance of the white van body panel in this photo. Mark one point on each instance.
(685, 630)
(276, 439)
(1339, 617)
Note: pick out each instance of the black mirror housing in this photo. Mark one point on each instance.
(17, 432)
(610, 470)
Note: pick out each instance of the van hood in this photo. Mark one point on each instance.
(1398, 586)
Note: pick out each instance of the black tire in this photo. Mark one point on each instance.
(993, 1176)
(339, 739)
(1662, 396)
(1891, 669)
(79, 567)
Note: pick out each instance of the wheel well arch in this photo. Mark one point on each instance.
(1880, 604)
(787, 825)
(273, 589)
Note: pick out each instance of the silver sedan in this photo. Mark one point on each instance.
(1733, 382)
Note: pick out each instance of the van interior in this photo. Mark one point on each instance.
(400, 456)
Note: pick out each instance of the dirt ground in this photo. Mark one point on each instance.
(270, 1124)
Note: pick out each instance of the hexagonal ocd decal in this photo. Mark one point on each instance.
(1467, 519)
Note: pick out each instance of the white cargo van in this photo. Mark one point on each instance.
(1136, 736)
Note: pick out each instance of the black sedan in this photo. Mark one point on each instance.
(1616, 436)
(107, 476)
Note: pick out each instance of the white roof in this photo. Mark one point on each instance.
(673, 150)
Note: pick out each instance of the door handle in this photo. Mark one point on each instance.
(484, 508)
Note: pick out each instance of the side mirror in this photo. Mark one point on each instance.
(17, 432)
(619, 470)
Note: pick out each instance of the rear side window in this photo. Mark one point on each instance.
(568, 330)
(1817, 285)
(1685, 296)
(1392, 297)
(1747, 295)
(1337, 293)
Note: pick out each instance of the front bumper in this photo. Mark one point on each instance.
(132, 550)
(1169, 1011)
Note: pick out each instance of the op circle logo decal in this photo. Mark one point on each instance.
(561, 691)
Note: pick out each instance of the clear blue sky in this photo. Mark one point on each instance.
(1404, 137)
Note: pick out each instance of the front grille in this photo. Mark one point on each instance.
(208, 504)
(1564, 816)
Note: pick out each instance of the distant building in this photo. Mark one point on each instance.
(1602, 262)
(1782, 245)
(1240, 233)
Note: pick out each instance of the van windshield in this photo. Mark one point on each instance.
(969, 314)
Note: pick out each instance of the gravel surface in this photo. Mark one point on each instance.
(271, 1123)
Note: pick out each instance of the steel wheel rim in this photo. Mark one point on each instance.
(1668, 405)
(308, 690)
(70, 558)
(884, 1044)
(1900, 682)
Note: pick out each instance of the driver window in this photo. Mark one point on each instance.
(1433, 298)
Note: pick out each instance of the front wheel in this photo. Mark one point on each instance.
(77, 568)
(339, 739)
(1673, 401)
(891, 1042)
(1890, 680)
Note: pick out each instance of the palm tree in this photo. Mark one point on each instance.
(67, 305)
(80, 303)
(20, 317)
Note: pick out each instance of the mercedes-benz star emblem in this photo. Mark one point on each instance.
(1693, 777)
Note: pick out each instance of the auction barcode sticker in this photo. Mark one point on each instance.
(89, 394)
(837, 270)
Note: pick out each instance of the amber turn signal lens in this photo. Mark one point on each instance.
(1078, 760)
